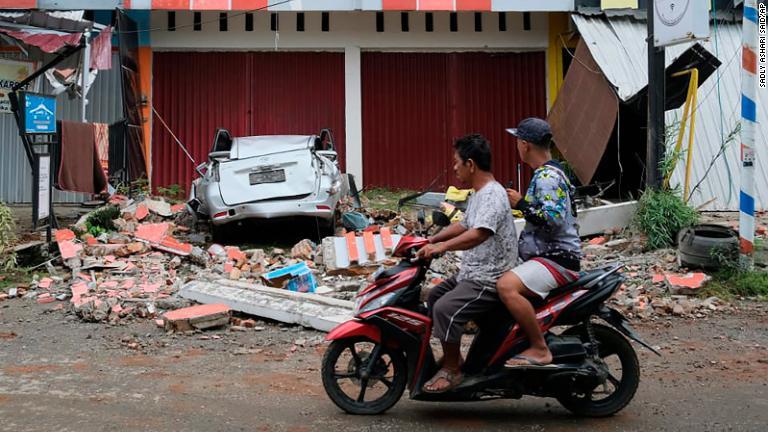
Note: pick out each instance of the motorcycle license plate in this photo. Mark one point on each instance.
(275, 176)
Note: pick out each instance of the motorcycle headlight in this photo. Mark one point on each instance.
(373, 304)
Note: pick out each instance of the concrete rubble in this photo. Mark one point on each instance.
(155, 261)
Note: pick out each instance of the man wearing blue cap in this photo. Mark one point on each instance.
(549, 244)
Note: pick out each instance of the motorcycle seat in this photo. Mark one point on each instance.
(583, 279)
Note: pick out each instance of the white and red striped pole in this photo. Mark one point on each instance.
(748, 123)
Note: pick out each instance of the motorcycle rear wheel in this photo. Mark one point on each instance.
(613, 345)
(344, 375)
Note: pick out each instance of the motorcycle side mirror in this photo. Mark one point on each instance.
(440, 219)
(421, 217)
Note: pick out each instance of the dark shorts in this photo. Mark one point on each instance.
(452, 304)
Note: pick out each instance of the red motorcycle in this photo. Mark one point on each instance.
(386, 347)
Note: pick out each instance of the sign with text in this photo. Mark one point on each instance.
(12, 72)
(41, 195)
(39, 114)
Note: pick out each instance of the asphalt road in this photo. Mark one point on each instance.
(59, 374)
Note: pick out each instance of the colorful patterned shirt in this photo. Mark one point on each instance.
(551, 229)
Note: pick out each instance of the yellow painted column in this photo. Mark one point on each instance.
(558, 27)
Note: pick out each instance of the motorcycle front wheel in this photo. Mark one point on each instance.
(362, 377)
(619, 361)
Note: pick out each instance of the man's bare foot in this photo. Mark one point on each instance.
(444, 380)
(531, 356)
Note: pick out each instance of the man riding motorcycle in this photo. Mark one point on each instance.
(487, 235)
(549, 244)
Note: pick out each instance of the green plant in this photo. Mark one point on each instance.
(660, 215)
(173, 192)
(137, 187)
(728, 283)
(383, 199)
(7, 238)
(101, 220)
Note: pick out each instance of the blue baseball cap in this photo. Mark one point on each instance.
(534, 130)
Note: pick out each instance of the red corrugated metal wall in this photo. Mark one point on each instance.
(415, 104)
(246, 93)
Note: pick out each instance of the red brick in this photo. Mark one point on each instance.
(141, 211)
(64, 235)
(597, 241)
(249, 323)
(153, 233)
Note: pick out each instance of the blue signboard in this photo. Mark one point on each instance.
(39, 114)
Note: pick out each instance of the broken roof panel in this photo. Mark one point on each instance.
(618, 46)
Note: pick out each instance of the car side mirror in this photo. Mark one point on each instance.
(440, 219)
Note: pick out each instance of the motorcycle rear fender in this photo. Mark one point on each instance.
(355, 328)
(620, 323)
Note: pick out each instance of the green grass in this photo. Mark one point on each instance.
(383, 199)
(14, 277)
(730, 283)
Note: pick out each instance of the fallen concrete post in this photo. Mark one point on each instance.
(309, 310)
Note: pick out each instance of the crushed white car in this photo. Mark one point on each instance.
(270, 176)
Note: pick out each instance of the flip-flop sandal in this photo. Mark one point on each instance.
(453, 378)
(532, 363)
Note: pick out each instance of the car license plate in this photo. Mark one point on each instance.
(275, 176)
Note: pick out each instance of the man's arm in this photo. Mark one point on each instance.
(453, 230)
(548, 205)
(466, 240)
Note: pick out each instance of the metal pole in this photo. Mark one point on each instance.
(656, 89)
(748, 123)
(85, 73)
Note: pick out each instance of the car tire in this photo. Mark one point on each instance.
(706, 245)
(220, 233)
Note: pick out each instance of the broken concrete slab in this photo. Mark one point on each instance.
(688, 284)
(158, 207)
(596, 220)
(197, 317)
(152, 233)
(309, 310)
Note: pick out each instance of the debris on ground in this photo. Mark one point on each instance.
(154, 261)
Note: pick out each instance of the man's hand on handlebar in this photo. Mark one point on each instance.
(430, 251)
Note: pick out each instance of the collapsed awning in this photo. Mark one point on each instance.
(50, 41)
(611, 67)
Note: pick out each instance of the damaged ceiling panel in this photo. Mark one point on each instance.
(620, 49)
(618, 46)
(584, 115)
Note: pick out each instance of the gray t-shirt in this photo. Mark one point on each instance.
(485, 263)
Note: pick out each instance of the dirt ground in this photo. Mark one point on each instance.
(60, 374)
